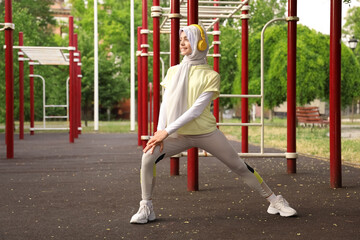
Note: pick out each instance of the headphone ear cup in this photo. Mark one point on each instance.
(202, 45)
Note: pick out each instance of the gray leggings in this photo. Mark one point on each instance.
(216, 144)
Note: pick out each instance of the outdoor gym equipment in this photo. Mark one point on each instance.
(74, 86)
(195, 10)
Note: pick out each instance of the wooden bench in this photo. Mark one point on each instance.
(310, 116)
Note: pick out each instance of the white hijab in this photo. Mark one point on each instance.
(177, 91)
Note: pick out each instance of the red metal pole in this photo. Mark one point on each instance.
(193, 157)
(291, 87)
(144, 66)
(335, 97)
(32, 112)
(139, 110)
(150, 107)
(216, 64)
(174, 60)
(9, 76)
(79, 92)
(244, 82)
(156, 63)
(71, 81)
(76, 91)
(21, 88)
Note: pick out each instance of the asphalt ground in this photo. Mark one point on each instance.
(90, 189)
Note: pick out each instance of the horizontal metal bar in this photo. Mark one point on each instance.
(244, 155)
(220, 2)
(45, 129)
(239, 124)
(239, 96)
(47, 48)
(55, 105)
(50, 117)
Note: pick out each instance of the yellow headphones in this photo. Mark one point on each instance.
(202, 45)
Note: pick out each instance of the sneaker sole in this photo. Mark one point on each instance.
(138, 222)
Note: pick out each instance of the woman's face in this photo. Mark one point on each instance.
(185, 47)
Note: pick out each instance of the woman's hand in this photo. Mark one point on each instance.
(156, 140)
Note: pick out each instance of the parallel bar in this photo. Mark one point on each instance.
(139, 81)
(244, 83)
(71, 81)
(216, 66)
(144, 72)
(193, 159)
(32, 111)
(9, 78)
(76, 88)
(174, 60)
(156, 66)
(335, 98)
(21, 91)
(79, 76)
(291, 86)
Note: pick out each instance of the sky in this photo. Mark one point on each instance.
(316, 13)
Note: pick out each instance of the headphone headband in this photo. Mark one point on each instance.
(202, 45)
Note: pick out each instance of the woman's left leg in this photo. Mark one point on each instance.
(218, 145)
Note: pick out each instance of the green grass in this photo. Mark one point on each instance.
(310, 141)
(104, 126)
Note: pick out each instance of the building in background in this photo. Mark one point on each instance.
(61, 10)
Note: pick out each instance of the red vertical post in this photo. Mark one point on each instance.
(216, 63)
(291, 86)
(150, 107)
(75, 82)
(9, 76)
(335, 97)
(156, 61)
(21, 87)
(193, 156)
(244, 81)
(144, 67)
(32, 111)
(174, 60)
(79, 76)
(71, 81)
(139, 90)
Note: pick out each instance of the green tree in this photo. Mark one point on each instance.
(312, 68)
(114, 50)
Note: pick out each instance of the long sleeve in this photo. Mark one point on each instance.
(193, 112)
(162, 115)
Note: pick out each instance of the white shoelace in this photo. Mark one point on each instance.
(144, 209)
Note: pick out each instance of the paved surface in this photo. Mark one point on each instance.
(89, 190)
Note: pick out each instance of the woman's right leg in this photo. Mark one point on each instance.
(172, 146)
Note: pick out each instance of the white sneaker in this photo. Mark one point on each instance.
(146, 213)
(282, 207)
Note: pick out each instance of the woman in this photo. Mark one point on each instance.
(185, 121)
